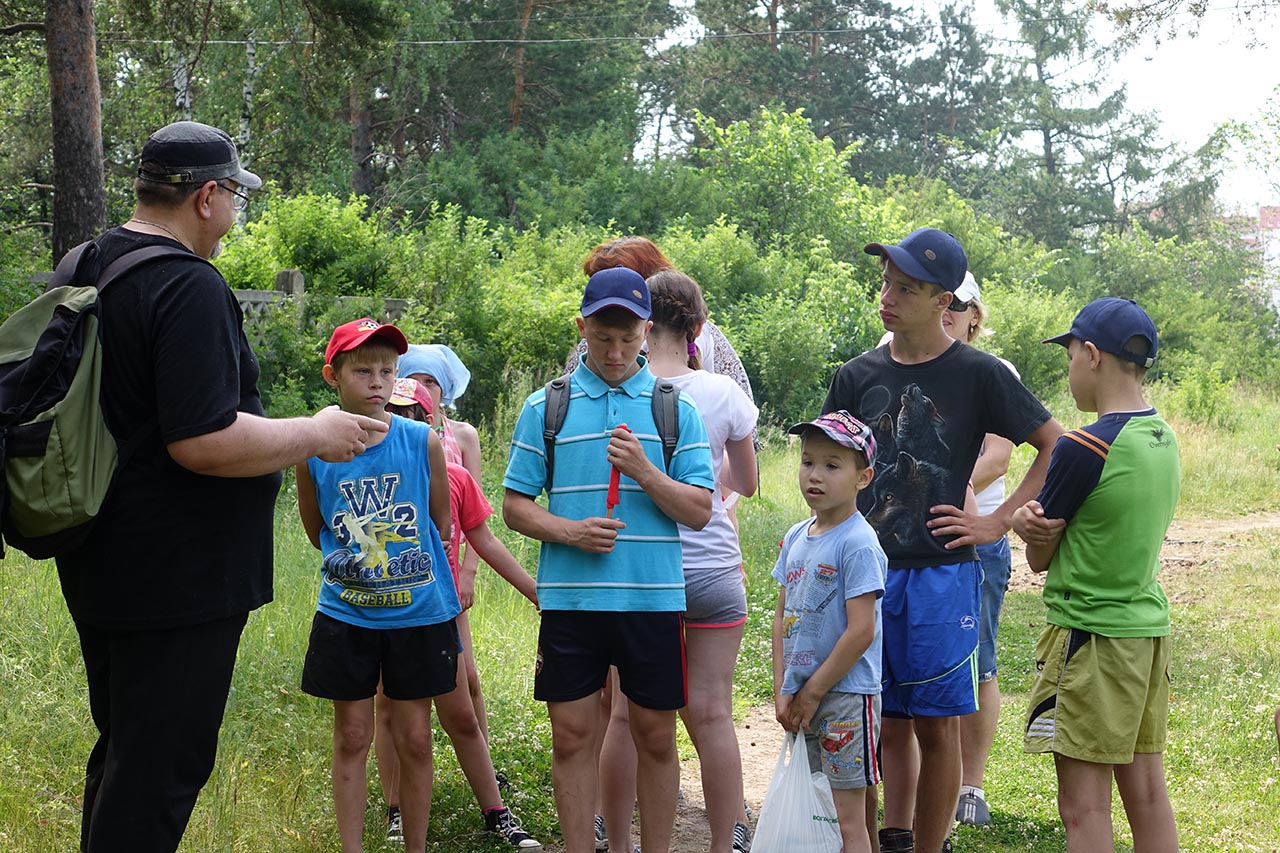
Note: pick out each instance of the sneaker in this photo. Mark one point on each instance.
(395, 825)
(504, 784)
(602, 839)
(741, 838)
(502, 823)
(946, 846)
(972, 810)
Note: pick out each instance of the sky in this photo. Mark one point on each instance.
(1194, 84)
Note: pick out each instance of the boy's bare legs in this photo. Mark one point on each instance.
(1084, 804)
(900, 771)
(1146, 803)
(411, 731)
(872, 818)
(939, 739)
(573, 768)
(606, 708)
(468, 660)
(458, 719)
(851, 811)
(711, 655)
(657, 775)
(618, 770)
(978, 733)
(384, 750)
(352, 734)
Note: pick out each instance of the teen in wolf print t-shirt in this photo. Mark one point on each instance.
(929, 420)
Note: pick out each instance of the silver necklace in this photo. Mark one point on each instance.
(164, 228)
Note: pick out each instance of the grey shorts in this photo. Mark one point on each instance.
(842, 739)
(715, 598)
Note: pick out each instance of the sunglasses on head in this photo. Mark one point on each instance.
(958, 305)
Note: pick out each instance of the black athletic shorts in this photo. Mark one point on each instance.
(576, 647)
(344, 661)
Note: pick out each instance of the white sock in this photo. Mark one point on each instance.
(969, 789)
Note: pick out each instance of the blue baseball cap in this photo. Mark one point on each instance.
(844, 429)
(927, 254)
(618, 286)
(1108, 323)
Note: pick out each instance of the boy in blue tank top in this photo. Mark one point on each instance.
(387, 601)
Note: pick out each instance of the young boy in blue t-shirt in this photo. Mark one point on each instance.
(387, 603)
(826, 657)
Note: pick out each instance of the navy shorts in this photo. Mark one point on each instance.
(576, 648)
(996, 568)
(930, 621)
(344, 661)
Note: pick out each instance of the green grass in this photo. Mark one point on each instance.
(270, 790)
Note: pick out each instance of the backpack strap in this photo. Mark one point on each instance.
(554, 410)
(666, 416)
(82, 263)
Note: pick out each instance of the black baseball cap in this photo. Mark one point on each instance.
(188, 152)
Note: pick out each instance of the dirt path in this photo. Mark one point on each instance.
(1188, 545)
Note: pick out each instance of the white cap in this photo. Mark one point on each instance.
(968, 289)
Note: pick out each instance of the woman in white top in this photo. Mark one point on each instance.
(715, 592)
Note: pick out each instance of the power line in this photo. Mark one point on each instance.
(704, 36)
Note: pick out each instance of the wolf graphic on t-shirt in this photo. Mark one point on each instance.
(911, 473)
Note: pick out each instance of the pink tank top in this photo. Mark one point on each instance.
(452, 453)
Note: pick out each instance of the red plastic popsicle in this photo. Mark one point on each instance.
(611, 499)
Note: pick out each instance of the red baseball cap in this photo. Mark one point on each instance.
(348, 336)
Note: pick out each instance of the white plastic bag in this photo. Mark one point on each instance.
(798, 815)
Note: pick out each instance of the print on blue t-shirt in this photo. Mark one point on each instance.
(820, 573)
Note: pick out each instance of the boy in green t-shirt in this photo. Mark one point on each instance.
(1100, 702)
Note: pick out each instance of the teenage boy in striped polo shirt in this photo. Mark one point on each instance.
(611, 585)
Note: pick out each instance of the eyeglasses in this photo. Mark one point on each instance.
(241, 200)
(958, 306)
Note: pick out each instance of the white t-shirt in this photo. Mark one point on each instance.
(729, 415)
(990, 498)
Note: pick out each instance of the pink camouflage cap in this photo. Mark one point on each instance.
(844, 429)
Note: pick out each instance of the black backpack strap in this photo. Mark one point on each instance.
(666, 416)
(554, 410)
(81, 263)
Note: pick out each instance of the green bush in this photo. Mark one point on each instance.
(1020, 317)
(339, 246)
(1205, 394)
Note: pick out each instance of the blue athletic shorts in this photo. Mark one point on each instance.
(930, 621)
(996, 567)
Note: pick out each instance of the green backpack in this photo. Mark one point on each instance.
(58, 456)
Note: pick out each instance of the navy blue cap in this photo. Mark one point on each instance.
(927, 254)
(1109, 323)
(188, 152)
(619, 286)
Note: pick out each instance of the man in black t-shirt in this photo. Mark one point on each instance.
(930, 401)
(182, 548)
